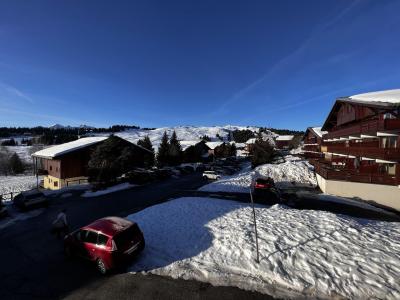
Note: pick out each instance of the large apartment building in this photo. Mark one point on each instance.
(360, 148)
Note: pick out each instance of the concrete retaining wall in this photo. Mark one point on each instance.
(386, 195)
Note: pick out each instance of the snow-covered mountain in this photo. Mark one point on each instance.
(185, 133)
(59, 126)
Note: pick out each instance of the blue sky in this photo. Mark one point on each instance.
(163, 63)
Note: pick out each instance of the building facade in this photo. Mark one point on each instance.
(360, 150)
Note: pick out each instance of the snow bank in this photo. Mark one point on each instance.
(292, 170)
(112, 189)
(303, 253)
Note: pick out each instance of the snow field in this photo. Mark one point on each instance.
(303, 253)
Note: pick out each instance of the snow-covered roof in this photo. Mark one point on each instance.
(388, 96)
(62, 149)
(285, 138)
(251, 141)
(187, 144)
(318, 131)
(213, 145)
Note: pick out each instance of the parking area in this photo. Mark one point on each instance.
(32, 260)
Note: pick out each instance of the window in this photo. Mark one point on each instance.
(55, 183)
(89, 236)
(391, 169)
(388, 116)
(102, 240)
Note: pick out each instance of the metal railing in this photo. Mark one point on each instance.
(371, 152)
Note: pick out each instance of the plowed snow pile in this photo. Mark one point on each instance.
(293, 171)
(303, 253)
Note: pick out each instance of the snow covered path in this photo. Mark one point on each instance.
(292, 170)
(302, 252)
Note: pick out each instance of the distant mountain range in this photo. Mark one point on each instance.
(59, 126)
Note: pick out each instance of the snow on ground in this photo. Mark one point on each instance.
(184, 133)
(112, 189)
(303, 253)
(17, 183)
(294, 169)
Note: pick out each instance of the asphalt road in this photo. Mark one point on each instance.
(32, 263)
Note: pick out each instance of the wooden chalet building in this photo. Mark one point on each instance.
(67, 164)
(361, 149)
(283, 142)
(312, 142)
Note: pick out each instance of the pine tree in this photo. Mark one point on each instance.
(175, 152)
(162, 154)
(149, 158)
(16, 164)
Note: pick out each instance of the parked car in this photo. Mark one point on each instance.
(30, 200)
(265, 191)
(109, 243)
(211, 175)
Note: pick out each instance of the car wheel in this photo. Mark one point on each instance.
(101, 266)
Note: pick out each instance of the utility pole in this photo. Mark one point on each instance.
(255, 225)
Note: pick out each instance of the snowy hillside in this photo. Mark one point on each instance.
(184, 133)
(293, 170)
(303, 253)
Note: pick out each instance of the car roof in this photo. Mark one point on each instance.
(109, 226)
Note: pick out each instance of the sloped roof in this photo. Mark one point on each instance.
(65, 148)
(382, 100)
(388, 96)
(285, 138)
(251, 141)
(213, 145)
(187, 144)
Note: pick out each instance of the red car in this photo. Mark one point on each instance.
(109, 242)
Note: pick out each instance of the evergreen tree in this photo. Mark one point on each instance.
(149, 158)
(206, 138)
(163, 150)
(175, 150)
(262, 153)
(16, 165)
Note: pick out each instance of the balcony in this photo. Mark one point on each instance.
(330, 173)
(370, 152)
(366, 127)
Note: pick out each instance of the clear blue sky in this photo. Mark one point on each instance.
(162, 63)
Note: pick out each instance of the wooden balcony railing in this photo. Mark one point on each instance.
(330, 173)
(365, 127)
(371, 152)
